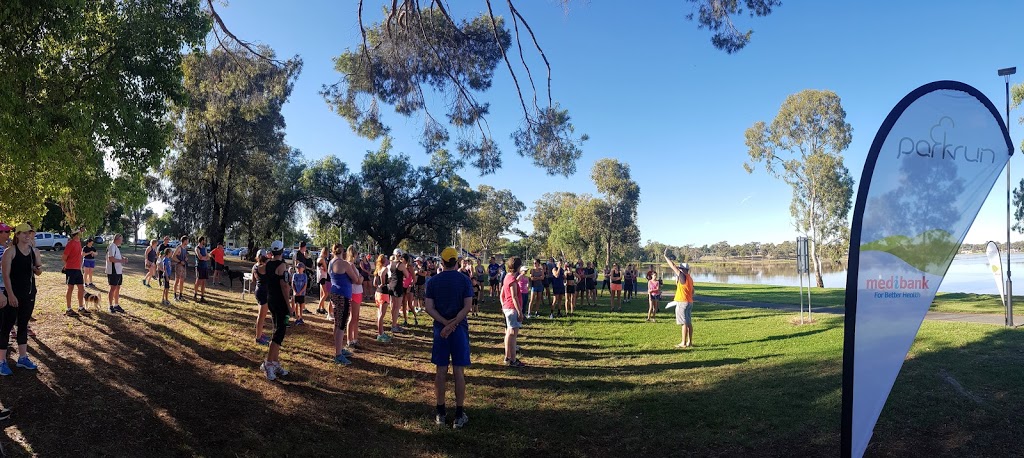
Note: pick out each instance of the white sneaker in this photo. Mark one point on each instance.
(278, 370)
(461, 421)
(269, 369)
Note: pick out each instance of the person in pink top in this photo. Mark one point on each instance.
(512, 307)
(523, 277)
(653, 295)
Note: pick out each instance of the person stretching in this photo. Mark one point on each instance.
(683, 301)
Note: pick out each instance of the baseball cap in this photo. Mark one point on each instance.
(261, 254)
(78, 230)
(5, 227)
(398, 252)
(684, 266)
(277, 246)
(449, 254)
(23, 227)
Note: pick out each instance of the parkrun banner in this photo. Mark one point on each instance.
(930, 167)
(995, 262)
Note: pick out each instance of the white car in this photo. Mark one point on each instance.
(50, 241)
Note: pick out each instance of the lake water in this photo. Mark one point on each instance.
(969, 273)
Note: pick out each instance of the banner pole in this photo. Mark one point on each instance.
(1005, 73)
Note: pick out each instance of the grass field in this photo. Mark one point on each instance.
(184, 380)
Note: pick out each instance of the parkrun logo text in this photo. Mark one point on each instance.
(940, 146)
(896, 287)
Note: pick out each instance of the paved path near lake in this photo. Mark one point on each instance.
(981, 318)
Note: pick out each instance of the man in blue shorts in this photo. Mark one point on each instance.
(449, 298)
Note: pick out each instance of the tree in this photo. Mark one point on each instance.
(811, 131)
(231, 123)
(390, 200)
(497, 211)
(84, 91)
(419, 48)
(622, 196)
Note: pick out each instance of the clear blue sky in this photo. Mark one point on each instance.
(651, 91)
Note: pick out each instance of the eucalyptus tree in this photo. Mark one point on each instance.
(621, 195)
(229, 130)
(390, 200)
(494, 216)
(803, 147)
(420, 50)
(84, 92)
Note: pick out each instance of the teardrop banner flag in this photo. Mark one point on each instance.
(995, 262)
(930, 167)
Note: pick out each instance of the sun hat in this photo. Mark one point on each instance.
(77, 230)
(449, 254)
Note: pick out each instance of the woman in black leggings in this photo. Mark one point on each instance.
(274, 272)
(20, 264)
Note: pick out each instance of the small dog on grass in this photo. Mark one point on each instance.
(232, 276)
(92, 300)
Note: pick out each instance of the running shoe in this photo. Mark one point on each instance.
(397, 329)
(515, 363)
(118, 309)
(383, 338)
(440, 419)
(26, 363)
(341, 359)
(83, 310)
(112, 309)
(165, 302)
(299, 322)
(263, 340)
(551, 316)
(5, 369)
(321, 312)
(355, 344)
(461, 421)
(5, 414)
(269, 370)
(346, 352)
(330, 318)
(70, 312)
(279, 370)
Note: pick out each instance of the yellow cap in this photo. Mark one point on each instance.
(449, 254)
(23, 227)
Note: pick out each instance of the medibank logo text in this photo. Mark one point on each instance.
(896, 282)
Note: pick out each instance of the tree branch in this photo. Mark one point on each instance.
(515, 14)
(497, 40)
(244, 44)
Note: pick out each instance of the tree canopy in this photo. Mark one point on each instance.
(803, 147)
(84, 89)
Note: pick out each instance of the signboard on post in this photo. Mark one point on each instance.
(803, 268)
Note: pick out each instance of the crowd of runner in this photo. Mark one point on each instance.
(448, 288)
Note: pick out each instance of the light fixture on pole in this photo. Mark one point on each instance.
(1005, 73)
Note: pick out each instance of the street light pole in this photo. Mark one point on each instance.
(1005, 73)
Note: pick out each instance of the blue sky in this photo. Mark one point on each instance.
(649, 89)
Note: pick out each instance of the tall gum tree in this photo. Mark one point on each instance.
(803, 147)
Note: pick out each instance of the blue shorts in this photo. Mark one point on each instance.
(453, 350)
(538, 289)
(88, 263)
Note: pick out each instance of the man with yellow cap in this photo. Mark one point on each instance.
(449, 298)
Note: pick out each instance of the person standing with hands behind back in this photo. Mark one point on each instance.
(683, 300)
(449, 298)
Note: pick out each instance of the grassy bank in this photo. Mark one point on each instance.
(183, 380)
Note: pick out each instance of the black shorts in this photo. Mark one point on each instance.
(494, 282)
(202, 272)
(591, 284)
(570, 289)
(547, 282)
(115, 279)
(220, 267)
(399, 291)
(300, 299)
(324, 281)
(73, 277)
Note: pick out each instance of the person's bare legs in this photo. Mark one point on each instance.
(510, 343)
(353, 323)
(688, 335)
(460, 386)
(440, 380)
(382, 311)
(261, 318)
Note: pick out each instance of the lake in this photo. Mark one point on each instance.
(969, 273)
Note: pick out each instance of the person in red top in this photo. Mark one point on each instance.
(512, 307)
(72, 257)
(218, 263)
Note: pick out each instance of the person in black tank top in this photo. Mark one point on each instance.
(261, 296)
(21, 263)
(277, 302)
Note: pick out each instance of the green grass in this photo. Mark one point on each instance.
(836, 297)
(183, 380)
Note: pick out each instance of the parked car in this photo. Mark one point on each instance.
(174, 243)
(232, 251)
(98, 239)
(142, 242)
(243, 252)
(50, 241)
(287, 253)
